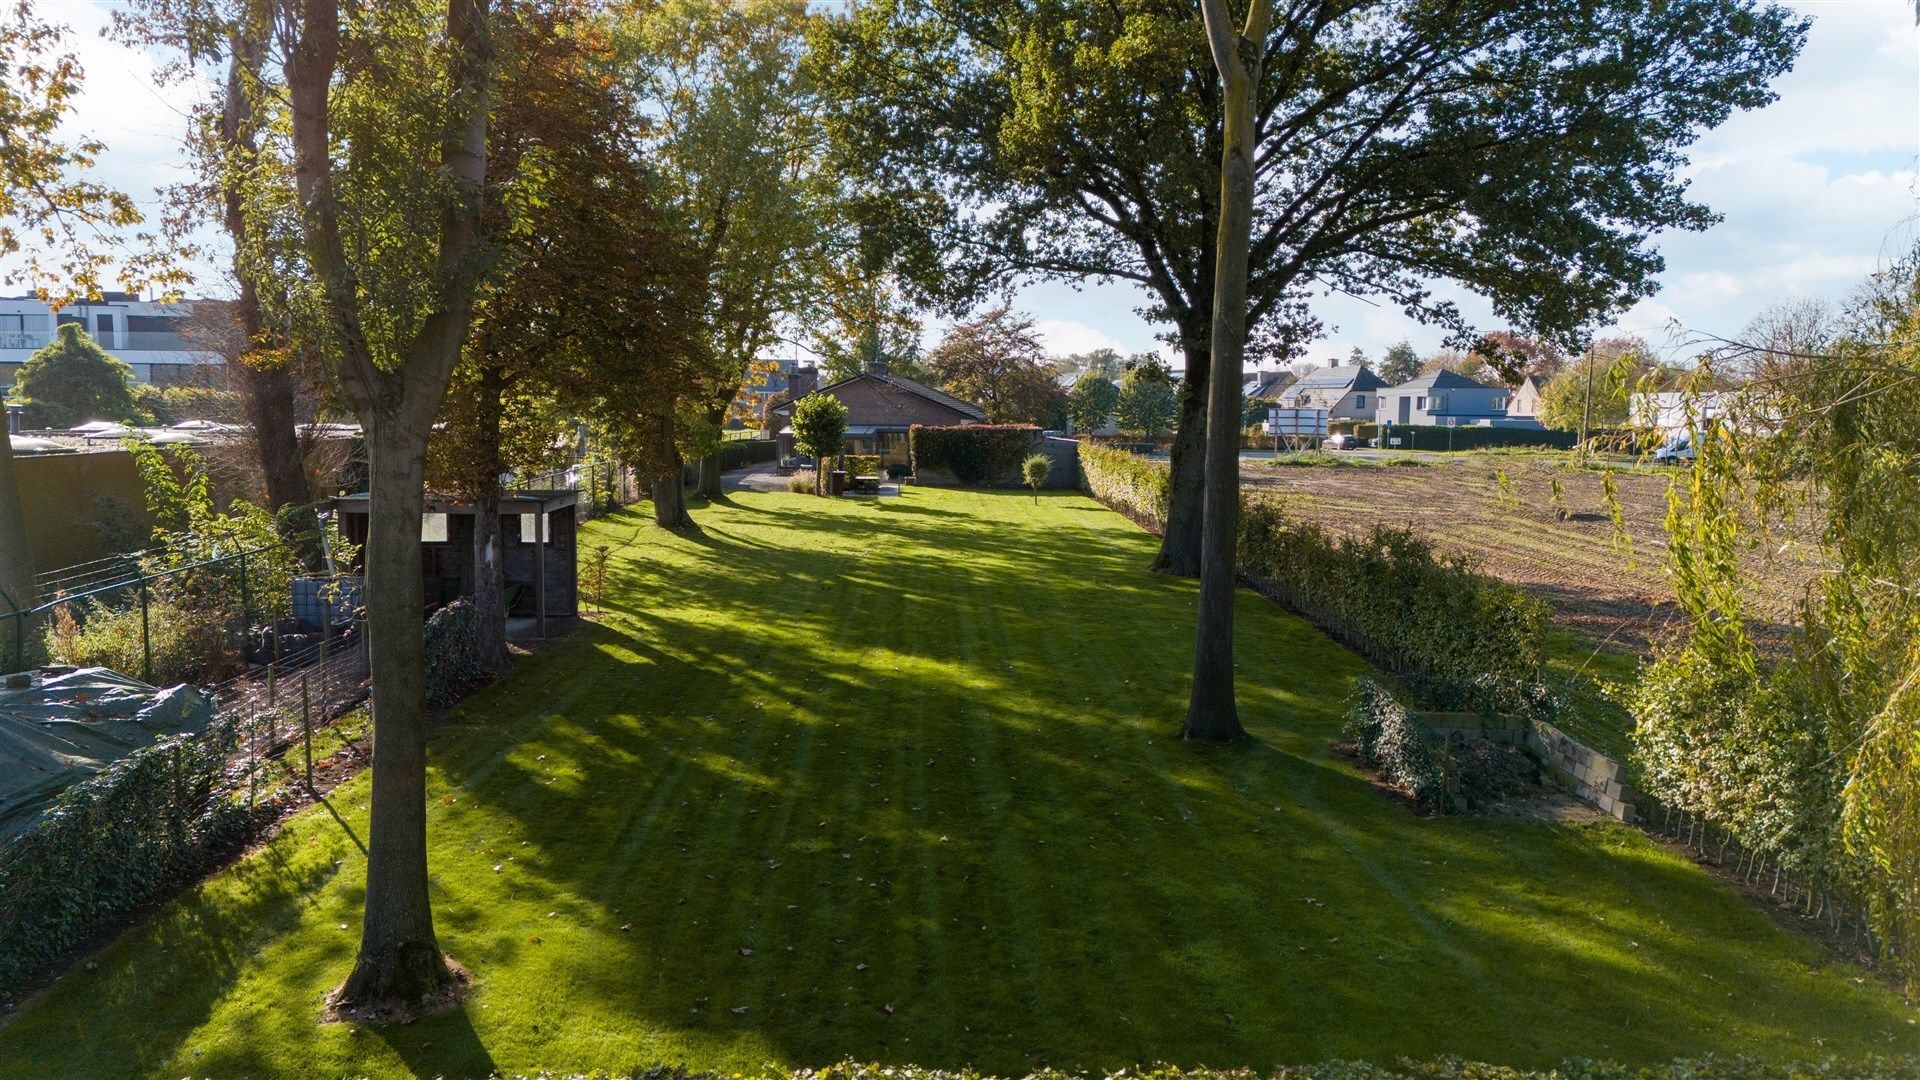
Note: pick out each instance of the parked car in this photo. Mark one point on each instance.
(1340, 440)
(1677, 450)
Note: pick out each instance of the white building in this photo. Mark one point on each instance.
(147, 336)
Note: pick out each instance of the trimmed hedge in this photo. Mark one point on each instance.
(1702, 1068)
(151, 821)
(1477, 437)
(1391, 597)
(1125, 482)
(973, 453)
(736, 453)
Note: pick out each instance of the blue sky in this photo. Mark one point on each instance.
(1816, 190)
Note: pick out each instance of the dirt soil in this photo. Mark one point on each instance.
(1609, 586)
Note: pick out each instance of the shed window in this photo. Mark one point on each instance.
(433, 528)
(527, 528)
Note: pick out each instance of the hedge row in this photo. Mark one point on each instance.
(1386, 594)
(973, 453)
(1437, 437)
(1125, 482)
(736, 453)
(1703, 1068)
(151, 821)
(1391, 597)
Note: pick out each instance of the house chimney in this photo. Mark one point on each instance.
(877, 367)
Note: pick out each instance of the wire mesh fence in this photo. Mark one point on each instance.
(187, 612)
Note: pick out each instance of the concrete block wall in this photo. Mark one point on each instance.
(1586, 774)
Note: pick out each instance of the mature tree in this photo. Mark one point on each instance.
(1357, 357)
(1092, 401)
(71, 379)
(388, 133)
(1511, 357)
(1400, 364)
(1395, 142)
(1104, 362)
(1597, 389)
(563, 142)
(224, 145)
(820, 430)
(733, 131)
(1148, 404)
(997, 362)
(1211, 711)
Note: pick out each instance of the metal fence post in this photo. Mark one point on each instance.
(306, 726)
(146, 636)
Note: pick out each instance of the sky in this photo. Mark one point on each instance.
(1816, 191)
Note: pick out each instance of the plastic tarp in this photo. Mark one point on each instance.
(71, 724)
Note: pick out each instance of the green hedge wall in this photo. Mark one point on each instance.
(1434, 436)
(153, 820)
(1704, 1068)
(974, 453)
(1386, 594)
(736, 453)
(1126, 482)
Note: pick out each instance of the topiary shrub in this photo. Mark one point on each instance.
(974, 453)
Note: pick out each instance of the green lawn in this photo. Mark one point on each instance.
(893, 780)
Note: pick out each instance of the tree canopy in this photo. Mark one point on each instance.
(1147, 403)
(1529, 153)
(997, 362)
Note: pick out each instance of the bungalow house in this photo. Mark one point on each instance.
(1347, 393)
(1525, 400)
(1444, 398)
(881, 407)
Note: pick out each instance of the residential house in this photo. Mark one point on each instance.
(1525, 399)
(148, 336)
(1267, 385)
(1350, 392)
(1443, 398)
(881, 407)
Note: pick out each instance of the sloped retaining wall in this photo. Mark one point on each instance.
(1585, 773)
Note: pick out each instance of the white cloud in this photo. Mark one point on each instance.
(1063, 336)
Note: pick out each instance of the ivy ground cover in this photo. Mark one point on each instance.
(894, 780)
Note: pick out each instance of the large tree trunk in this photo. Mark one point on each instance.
(710, 465)
(271, 411)
(489, 570)
(1211, 711)
(267, 392)
(399, 972)
(1180, 542)
(669, 482)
